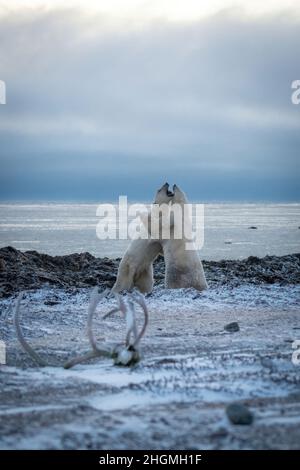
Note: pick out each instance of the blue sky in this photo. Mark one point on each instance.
(104, 100)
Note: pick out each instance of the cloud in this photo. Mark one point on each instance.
(206, 99)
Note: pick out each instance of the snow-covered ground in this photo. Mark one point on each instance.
(176, 397)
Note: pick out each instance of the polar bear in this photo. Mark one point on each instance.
(183, 267)
(136, 266)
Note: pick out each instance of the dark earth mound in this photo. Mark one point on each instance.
(32, 270)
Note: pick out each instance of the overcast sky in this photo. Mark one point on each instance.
(109, 97)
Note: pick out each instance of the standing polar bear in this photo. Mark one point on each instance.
(136, 267)
(183, 267)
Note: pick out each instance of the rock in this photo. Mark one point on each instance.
(232, 327)
(252, 260)
(51, 302)
(2, 264)
(239, 414)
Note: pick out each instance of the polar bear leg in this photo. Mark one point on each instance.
(177, 279)
(135, 269)
(125, 277)
(183, 268)
(144, 280)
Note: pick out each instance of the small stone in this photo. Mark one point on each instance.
(239, 414)
(232, 327)
(219, 433)
(51, 302)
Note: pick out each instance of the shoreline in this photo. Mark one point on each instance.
(33, 270)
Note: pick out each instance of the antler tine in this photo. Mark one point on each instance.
(27, 348)
(114, 310)
(121, 302)
(128, 311)
(130, 322)
(79, 359)
(95, 299)
(134, 326)
(139, 298)
(121, 308)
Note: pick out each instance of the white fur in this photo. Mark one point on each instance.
(136, 267)
(183, 267)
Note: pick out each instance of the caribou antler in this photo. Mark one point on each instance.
(129, 354)
(96, 352)
(129, 314)
(27, 348)
(95, 299)
(139, 298)
(122, 354)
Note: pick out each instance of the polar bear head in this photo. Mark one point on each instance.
(168, 214)
(179, 196)
(165, 196)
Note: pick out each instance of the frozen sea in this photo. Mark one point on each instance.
(59, 229)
